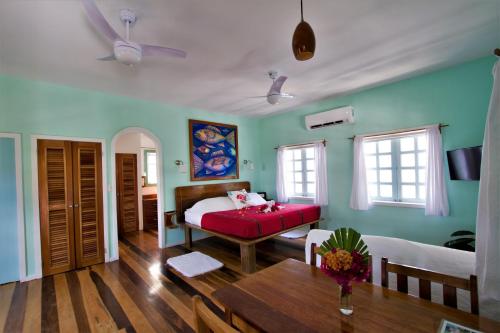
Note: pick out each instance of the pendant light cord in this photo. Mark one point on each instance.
(301, 12)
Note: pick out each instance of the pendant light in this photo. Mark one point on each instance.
(303, 42)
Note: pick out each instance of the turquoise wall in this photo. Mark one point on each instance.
(457, 96)
(29, 108)
(9, 256)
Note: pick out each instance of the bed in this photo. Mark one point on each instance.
(245, 228)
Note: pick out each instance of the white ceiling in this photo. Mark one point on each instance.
(231, 44)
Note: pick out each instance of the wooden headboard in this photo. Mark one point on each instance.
(187, 196)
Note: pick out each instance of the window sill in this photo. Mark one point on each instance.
(301, 198)
(399, 204)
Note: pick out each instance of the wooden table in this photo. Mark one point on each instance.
(294, 297)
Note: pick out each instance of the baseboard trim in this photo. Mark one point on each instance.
(31, 277)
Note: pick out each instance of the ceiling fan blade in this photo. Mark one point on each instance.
(277, 84)
(98, 20)
(151, 50)
(263, 96)
(107, 58)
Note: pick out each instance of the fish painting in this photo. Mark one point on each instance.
(209, 134)
(203, 149)
(218, 152)
(216, 164)
(213, 150)
(212, 135)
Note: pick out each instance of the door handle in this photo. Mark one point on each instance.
(76, 205)
(70, 206)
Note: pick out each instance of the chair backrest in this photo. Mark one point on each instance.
(313, 262)
(205, 321)
(425, 277)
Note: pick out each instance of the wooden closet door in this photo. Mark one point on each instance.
(56, 206)
(87, 197)
(127, 193)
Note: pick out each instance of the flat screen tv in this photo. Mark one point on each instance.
(465, 163)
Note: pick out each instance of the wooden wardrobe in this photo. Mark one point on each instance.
(71, 212)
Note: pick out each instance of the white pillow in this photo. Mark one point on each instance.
(239, 198)
(217, 204)
(254, 199)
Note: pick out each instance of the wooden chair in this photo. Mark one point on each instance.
(425, 277)
(313, 262)
(205, 321)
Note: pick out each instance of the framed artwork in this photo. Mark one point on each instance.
(451, 327)
(213, 150)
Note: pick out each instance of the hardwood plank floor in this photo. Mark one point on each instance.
(137, 293)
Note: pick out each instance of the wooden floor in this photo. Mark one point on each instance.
(137, 293)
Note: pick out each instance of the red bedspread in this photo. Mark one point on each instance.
(251, 223)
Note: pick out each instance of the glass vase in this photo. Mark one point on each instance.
(346, 300)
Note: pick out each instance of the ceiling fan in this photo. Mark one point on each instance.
(274, 94)
(124, 50)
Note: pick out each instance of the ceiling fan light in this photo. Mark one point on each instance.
(128, 53)
(303, 42)
(273, 99)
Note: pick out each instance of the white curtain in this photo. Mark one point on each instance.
(321, 197)
(360, 199)
(488, 210)
(281, 183)
(436, 202)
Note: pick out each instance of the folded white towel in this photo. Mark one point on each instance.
(194, 264)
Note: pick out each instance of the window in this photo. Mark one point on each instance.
(300, 173)
(396, 168)
(150, 168)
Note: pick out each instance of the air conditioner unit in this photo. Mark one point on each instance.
(343, 115)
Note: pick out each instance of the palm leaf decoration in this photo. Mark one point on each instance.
(345, 239)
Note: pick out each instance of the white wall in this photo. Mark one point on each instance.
(134, 143)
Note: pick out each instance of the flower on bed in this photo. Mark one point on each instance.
(270, 207)
(345, 258)
(242, 198)
(243, 210)
(239, 198)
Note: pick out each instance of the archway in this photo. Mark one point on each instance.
(159, 185)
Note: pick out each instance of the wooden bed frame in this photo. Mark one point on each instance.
(187, 196)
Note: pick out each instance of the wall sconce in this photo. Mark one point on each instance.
(248, 164)
(181, 168)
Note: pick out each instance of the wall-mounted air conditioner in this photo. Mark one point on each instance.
(343, 115)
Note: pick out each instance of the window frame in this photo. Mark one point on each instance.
(145, 167)
(304, 195)
(397, 169)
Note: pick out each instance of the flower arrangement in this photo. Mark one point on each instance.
(270, 207)
(345, 258)
(242, 198)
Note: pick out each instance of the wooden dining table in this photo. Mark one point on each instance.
(292, 296)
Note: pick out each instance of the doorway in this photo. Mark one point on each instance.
(137, 158)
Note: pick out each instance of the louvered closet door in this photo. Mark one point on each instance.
(87, 198)
(56, 206)
(127, 195)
